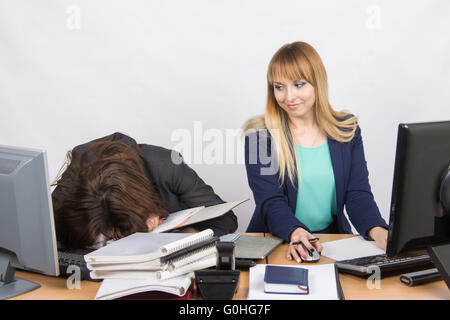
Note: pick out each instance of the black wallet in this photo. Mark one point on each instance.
(420, 277)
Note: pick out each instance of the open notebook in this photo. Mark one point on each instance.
(191, 216)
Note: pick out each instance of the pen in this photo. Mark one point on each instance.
(310, 240)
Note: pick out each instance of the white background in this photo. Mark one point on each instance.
(73, 71)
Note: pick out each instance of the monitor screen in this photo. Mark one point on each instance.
(417, 218)
(27, 232)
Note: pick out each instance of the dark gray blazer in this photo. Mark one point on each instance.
(179, 185)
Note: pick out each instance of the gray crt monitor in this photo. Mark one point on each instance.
(27, 231)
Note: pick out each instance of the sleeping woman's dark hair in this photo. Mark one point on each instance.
(106, 193)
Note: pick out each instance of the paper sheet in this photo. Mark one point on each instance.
(176, 219)
(350, 248)
(321, 281)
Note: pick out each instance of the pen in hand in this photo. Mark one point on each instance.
(310, 240)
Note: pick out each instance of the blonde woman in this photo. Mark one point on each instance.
(305, 161)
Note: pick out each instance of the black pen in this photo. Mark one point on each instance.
(310, 240)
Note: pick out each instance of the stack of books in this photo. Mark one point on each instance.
(143, 262)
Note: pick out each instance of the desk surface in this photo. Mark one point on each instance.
(354, 288)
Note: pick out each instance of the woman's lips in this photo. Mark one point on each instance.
(293, 106)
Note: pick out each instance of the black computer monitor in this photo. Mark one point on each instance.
(420, 214)
(27, 231)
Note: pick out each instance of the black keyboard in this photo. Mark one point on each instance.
(67, 259)
(366, 266)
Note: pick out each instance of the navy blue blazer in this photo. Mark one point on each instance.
(275, 204)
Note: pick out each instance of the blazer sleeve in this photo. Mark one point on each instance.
(360, 204)
(270, 197)
(194, 192)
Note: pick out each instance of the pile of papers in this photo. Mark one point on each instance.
(151, 261)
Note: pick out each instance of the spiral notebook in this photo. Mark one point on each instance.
(190, 262)
(153, 256)
(203, 263)
(142, 248)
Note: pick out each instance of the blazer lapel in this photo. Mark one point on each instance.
(338, 168)
(292, 192)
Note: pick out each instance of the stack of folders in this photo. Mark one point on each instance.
(151, 261)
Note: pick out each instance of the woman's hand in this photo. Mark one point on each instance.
(153, 221)
(379, 235)
(188, 229)
(303, 236)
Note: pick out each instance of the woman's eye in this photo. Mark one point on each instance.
(278, 87)
(300, 84)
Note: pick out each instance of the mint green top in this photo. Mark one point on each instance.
(316, 196)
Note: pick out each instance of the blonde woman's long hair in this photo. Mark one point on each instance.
(299, 61)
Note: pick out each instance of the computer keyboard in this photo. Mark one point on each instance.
(67, 259)
(387, 266)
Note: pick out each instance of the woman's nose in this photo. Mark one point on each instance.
(290, 94)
